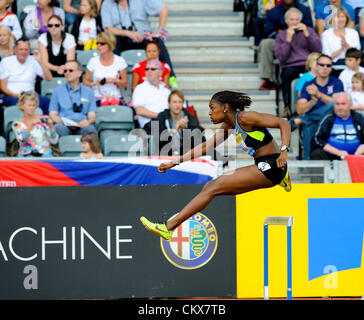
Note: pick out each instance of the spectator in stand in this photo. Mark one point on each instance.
(129, 22)
(152, 51)
(56, 46)
(150, 97)
(9, 19)
(72, 9)
(107, 73)
(6, 42)
(292, 47)
(323, 14)
(339, 38)
(361, 27)
(357, 94)
(35, 22)
(315, 100)
(275, 23)
(340, 132)
(311, 67)
(264, 6)
(34, 133)
(91, 146)
(73, 101)
(178, 129)
(18, 73)
(352, 61)
(87, 25)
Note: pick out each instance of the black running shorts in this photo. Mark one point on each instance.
(268, 166)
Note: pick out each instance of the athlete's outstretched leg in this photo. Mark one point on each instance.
(240, 181)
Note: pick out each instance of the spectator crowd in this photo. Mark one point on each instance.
(321, 46)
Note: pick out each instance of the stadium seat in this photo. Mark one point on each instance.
(83, 57)
(115, 117)
(47, 87)
(70, 146)
(123, 145)
(294, 95)
(2, 147)
(133, 56)
(11, 114)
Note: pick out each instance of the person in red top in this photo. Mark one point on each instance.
(152, 51)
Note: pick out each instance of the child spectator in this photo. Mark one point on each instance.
(357, 94)
(152, 51)
(91, 146)
(8, 18)
(311, 67)
(352, 65)
(6, 42)
(87, 25)
(56, 47)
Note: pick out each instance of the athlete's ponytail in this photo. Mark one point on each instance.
(238, 101)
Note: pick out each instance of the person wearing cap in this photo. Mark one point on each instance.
(150, 97)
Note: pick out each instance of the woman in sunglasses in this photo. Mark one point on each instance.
(56, 47)
(106, 73)
(35, 22)
(152, 51)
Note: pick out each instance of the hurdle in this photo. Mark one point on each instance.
(284, 221)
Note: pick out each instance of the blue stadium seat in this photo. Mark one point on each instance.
(70, 146)
(47, 87)
(83, 57)
(133, 56)
(123, 145)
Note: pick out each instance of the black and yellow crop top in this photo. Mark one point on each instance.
(251, 141)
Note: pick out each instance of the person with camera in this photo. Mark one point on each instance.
(292, 47)
(73, 105)
(107, 73)
(34, 133)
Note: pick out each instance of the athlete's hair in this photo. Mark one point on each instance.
(237, 101)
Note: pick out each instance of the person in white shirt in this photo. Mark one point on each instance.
(9, 19)
(352, 61)
(106, 73)
(150, 97)
(357, 95)
(18, 73)
(339, 38)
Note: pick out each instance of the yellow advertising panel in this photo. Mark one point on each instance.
(327, 241)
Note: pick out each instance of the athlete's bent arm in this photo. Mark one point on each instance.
(200, 150)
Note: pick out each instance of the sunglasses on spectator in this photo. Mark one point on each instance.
(56, 25)
(152, 69)
(325, 65)
(68, 70)
(100, 43)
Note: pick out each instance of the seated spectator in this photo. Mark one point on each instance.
(152, 51)
(56, 47)
(150, 97)
(129, 23)
(34, 133)
(361, 27)
(340, 132)
(107, 73)
(73, 106)
(6, 42)
(275, 23)
(339, 38)
(72, 9)
(315, 100)
(18, 73)
(357, 94)
(325, 9)
(352, 65)
(91, 146)
(9, 19)
(35, 23)
(259, 22)
(178, 129)
(311, 67)
(292, 47)
(87, 25)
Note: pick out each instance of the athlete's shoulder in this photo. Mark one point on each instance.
(248, 117)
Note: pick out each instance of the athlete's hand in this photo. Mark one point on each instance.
(282, 159)
(163, 167)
